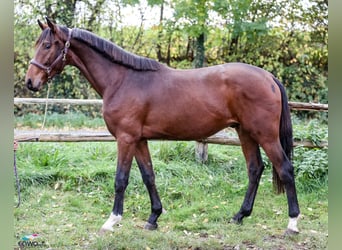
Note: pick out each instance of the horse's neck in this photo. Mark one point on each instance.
(100, 72)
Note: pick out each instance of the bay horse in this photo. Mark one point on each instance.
(144, 99)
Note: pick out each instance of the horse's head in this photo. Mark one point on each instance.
(50, 55)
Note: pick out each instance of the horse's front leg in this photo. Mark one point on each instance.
(143, 159)
(125, 155)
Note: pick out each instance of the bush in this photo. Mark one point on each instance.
(311, 165)
(311, 168)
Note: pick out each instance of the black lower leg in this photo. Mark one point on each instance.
(143, 158)
(156, 206)
(287, 177)
(121, 182)
(254, 173)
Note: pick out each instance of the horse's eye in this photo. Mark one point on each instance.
(47, 46)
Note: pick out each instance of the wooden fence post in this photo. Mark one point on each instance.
(201, 152)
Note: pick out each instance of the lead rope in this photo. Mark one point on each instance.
(16, 146)
(46, 104)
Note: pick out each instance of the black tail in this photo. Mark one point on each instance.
(285, 133)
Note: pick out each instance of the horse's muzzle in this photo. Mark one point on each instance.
(30, 86)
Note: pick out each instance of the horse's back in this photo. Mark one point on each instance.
(246, 76)
(237, 87)
(228, 78)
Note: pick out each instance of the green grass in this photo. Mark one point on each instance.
(56, 120)
(67, 194)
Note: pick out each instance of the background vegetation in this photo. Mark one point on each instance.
(288, 38)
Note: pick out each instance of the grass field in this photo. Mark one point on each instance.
(67, 194)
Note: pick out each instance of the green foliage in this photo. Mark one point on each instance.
(311, 165)
(314, 131)
(311, 168)
(169, 151)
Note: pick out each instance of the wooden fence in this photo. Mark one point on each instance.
(34, 135)
(221, 137)
(28, 101)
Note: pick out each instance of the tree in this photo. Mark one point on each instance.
(193, 15)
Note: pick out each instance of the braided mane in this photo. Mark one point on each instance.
(115, 53)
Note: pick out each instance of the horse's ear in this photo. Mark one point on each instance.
(41, 25)
(51, 24)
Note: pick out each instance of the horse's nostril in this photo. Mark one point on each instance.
(29, 84)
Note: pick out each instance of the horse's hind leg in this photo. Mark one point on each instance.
(143, 159)
(255, 168)
(285, 172)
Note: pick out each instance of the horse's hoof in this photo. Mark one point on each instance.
(103, 231)
(150, 226)
(235, 221)
(290, 232)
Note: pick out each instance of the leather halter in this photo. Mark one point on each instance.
(62, 56)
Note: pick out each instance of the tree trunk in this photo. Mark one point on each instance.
(160, 32)
(95, 13)
(199, 52)
(201, 151)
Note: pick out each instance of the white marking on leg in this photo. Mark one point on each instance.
(293, 224)
(112, 220)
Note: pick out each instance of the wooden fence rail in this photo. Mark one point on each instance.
(28, 101)
(82, 136)
(221, 137)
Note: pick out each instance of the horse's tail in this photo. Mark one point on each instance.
(285, 134)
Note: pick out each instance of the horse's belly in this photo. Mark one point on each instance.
(185, 130)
